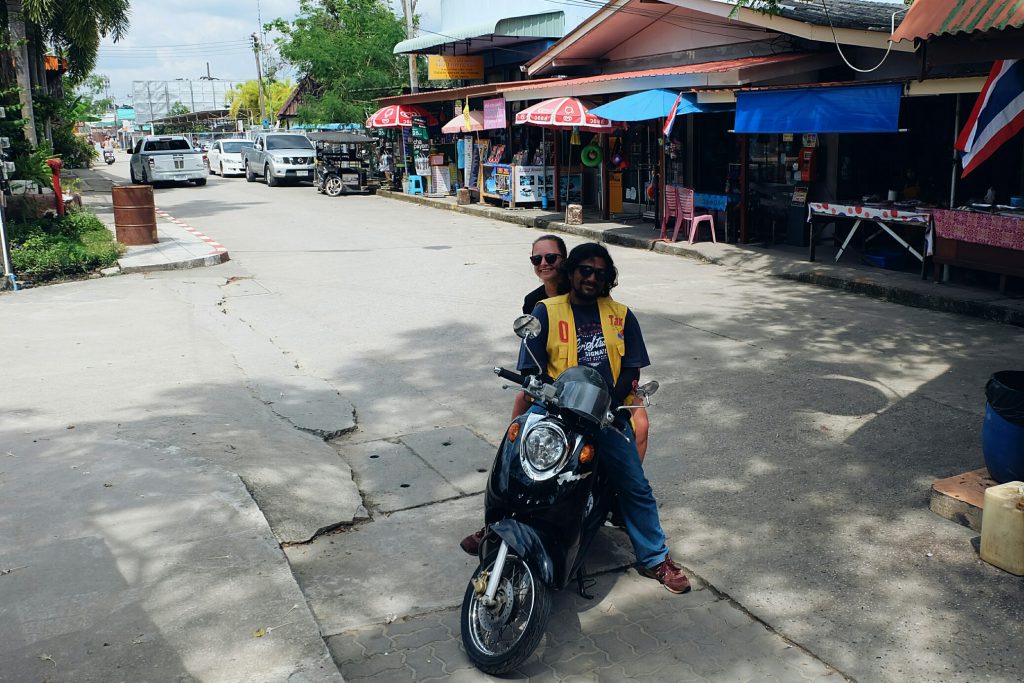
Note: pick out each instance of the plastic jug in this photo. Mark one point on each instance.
(1002, 527)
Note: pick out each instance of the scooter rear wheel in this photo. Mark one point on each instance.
(499, 638)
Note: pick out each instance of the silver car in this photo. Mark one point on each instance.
(225, 156)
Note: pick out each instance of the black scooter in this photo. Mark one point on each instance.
(108, 156)
(546, 499)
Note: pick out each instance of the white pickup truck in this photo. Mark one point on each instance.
(166, 157)
(276, 157)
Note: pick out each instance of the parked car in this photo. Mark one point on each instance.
(166, 157)
(225, 156)
(277, 157)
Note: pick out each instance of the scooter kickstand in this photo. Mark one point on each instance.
(583, 583)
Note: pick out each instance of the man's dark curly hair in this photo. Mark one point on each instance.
(589, 250)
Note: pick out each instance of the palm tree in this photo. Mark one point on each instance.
(73, 28)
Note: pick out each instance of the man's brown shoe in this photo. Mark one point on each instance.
(670, 575)
(471, 543)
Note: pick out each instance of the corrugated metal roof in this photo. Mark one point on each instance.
(928, 18)
(544, 25)
(702, 68)
(452, 94)
(863, 15)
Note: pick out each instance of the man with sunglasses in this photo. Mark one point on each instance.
(587, 327)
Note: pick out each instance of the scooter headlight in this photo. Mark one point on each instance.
(545, 449)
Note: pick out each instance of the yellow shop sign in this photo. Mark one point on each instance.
(440, 67)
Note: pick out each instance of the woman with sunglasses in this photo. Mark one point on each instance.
(548, 253)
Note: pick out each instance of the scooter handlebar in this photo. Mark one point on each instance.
(510, 376)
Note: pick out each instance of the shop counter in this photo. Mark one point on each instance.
(992, 242)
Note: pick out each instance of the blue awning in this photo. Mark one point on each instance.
(649, 104)
(840, 109)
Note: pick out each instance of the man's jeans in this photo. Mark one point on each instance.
(620, 459)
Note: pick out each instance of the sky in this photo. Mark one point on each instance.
(175, 39)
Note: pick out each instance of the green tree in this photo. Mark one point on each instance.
(244, 101)
(345, 47)
(177, 109)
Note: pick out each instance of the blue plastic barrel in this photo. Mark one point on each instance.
(1002, 437)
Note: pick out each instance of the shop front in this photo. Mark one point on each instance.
(801, 180)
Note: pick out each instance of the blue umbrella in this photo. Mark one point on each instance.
(649, 104)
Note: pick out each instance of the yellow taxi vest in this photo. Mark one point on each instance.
(562, 343)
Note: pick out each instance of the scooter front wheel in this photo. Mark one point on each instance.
(499, 637)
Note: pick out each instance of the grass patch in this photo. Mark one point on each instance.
(53, 248)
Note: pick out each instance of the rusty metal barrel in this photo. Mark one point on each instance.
(134, 214)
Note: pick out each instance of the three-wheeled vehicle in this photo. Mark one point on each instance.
(344, 162)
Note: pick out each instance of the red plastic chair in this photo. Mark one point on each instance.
(671, 208)
(685, 200)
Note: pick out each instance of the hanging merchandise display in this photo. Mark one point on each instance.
(591, 155)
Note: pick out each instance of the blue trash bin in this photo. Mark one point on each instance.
(1002, 437)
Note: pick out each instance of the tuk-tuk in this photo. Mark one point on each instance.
(344, 162)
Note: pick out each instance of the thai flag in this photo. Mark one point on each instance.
(998, 114)
(667, 130)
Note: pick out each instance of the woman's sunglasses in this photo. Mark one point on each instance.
(587, 271)
(550, 258)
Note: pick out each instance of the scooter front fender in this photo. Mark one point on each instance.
(527, 543)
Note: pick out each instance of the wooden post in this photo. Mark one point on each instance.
(743, 188)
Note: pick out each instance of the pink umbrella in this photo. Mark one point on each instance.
(399, 116)
(458, 124)
(564, 112)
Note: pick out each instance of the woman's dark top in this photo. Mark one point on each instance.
(532, 299)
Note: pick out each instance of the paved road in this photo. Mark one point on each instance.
(794, 442)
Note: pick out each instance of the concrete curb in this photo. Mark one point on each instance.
(820, 274)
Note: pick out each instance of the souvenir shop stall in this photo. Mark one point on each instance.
(651, 171)
(573, 173)
(405, 148)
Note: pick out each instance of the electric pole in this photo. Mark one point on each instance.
(409, 6)
(259, 76)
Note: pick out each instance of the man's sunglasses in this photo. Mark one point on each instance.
(550, 258)
(587, 271)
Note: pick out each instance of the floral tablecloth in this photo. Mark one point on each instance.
(980, 228)
(869, 213)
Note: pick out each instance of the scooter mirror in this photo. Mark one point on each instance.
(526, 327)
(648, 389)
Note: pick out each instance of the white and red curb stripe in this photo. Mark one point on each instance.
(217, 247)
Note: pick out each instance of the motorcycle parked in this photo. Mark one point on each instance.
(546, 499)
(108, 156)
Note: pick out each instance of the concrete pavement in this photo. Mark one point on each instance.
(780, 261)
(797, 432)
(179, 245)
(183, 246)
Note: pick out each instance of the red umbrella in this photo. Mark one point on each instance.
(564, 112)
(399, 116)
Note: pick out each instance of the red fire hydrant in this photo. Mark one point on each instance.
(55, 166)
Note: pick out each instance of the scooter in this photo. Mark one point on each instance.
(108, 156)
(546, 499)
